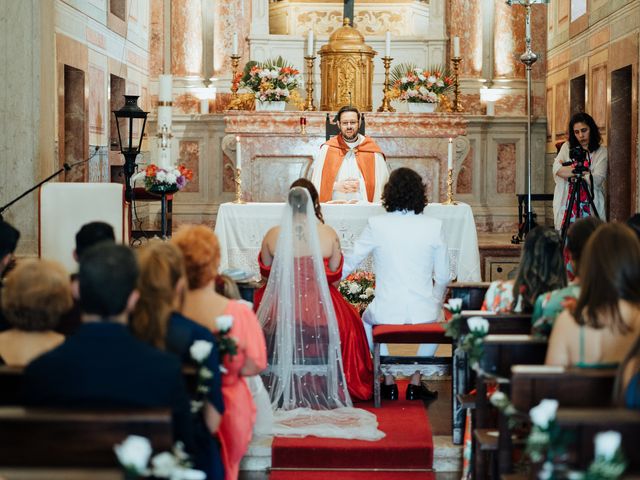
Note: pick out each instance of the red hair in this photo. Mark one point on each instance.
(201, 251)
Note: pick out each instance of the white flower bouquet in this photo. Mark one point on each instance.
(358, 289)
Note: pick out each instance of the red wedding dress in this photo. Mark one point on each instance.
(356, 357)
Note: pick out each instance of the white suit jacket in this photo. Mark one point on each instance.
(411, 265)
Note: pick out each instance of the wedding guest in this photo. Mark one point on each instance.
(541, 269)
(36, 293)
(90, 234)
(411, 264)
(627, 387)
(549, 305)
(157, 321)
(103, 365)
(606, 320)
(356, 360)
(203, 304)
(9, 237)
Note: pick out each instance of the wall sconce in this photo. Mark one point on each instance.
(490, 96)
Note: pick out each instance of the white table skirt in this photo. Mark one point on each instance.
(240, 229)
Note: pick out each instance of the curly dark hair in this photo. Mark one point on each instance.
(304, 183)
(541, 267)
(405, 190)
(594, 132)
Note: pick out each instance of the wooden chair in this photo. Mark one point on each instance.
(471, 293)
(411, 334)
(76, 438)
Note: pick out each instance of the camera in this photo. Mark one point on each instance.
(578, 156)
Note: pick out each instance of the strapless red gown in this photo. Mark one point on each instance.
(356, 356)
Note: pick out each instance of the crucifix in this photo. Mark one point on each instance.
(348, 10)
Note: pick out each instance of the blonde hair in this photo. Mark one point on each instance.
(161, 268)
(201, 251)
(227, 287)
(35, 294)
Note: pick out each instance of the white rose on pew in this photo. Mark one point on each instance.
(134, 453)
(163, 465)
(224, 323)
(607, 444)
(498, 398)
(454, 304)
(542, 414)
(478, 324)
(200, 350)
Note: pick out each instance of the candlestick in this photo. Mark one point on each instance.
(450, 200)
(456, 47)
(303, 125)
(386, 103)
(235, 61)
(387, 44)
(450, 155)
(457, 107)
(234, 49)
(309, 106)
(238, 153)
(310, 44)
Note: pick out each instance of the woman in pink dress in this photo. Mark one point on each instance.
(201, 251)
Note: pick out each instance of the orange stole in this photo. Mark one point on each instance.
(335, 154)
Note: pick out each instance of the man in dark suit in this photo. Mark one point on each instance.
(103, 365)
(9, 237)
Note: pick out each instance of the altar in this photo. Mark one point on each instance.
(241, 227)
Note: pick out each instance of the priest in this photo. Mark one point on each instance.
(350, 167)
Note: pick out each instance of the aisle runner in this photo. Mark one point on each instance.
(408, 444)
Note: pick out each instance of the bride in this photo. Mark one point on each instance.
(305, 377)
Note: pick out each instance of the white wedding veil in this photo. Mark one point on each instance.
(305, 378)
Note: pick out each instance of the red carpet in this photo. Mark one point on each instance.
(408, 444)
(347, 475)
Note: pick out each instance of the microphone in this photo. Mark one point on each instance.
(68, 167)
(349, 98)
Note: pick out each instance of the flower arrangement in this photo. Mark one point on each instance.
(418, 85)
(227, 345)
(358, 289)
(270, 81)
(452, 327)
(473, 343)
(609, 462)
(134, 454)
(157, 179)
(200, 351)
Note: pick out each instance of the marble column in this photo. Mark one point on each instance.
(508, 41)
(186, 42)
(156, 42)
(466, 23)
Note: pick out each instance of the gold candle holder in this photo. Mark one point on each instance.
(456, 84)
(235, 61)
(450, 200)
(238, 181)
(309, 106)
(386, 103)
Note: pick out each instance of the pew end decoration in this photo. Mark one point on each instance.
(473, 343)
(453, 326)
(609, 462)
(135, 452)
(166, 180)
(270, 81)
(358, 289)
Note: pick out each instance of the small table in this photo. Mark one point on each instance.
(166, 208)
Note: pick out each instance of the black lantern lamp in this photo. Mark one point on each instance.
(131, 147)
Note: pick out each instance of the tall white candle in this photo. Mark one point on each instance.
(234, 49)
(238, 154)
(450, 155)
(491, 109)
(387, 44)
(456, 47)
(204, 106)
(164, 117)
(310, 44)
(164, 88)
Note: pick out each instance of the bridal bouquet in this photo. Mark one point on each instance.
(272, 80)
(358, 289)
(418, 85)
(167, 180)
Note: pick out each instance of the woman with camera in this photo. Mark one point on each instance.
(581, 157)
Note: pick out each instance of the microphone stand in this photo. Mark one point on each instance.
(65, 168)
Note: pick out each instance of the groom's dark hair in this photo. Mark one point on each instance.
(404, 191)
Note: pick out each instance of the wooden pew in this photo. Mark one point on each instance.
(38, 437)
(461, 376)
(471, 293)
(572, 387)
(586, 422)
(500, 353)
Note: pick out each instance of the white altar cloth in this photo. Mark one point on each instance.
(241, 227)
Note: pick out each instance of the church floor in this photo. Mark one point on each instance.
(447, 457)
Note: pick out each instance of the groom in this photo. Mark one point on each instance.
(411, 265)
(350, 167)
